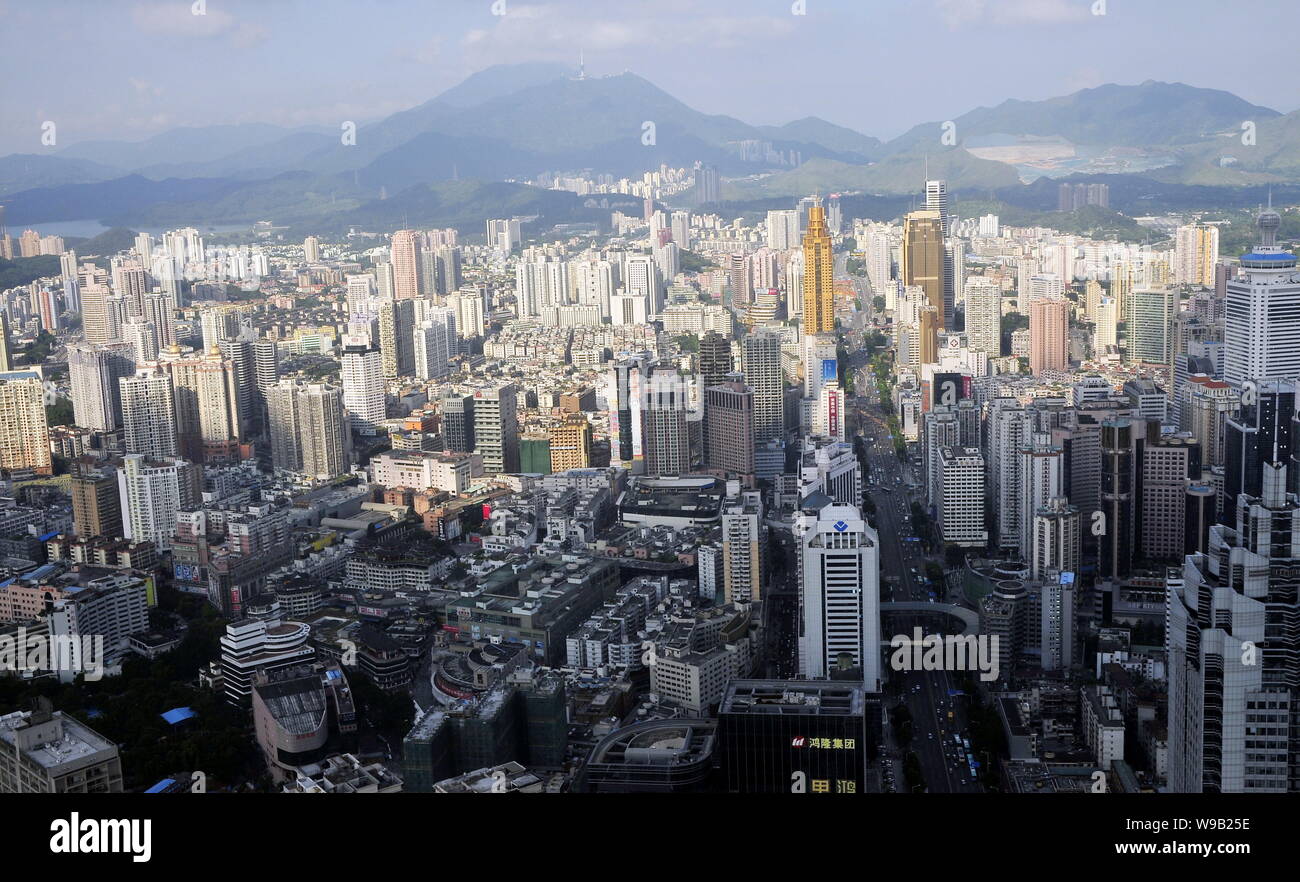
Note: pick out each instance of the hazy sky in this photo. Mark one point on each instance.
(129, 68)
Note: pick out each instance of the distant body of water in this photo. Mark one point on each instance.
(88, 229)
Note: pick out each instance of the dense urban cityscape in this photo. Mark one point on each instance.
(702, 471)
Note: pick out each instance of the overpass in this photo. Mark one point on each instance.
(969, 618)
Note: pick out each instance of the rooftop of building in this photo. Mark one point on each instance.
(793, 697)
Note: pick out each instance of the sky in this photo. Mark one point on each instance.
(128, 69)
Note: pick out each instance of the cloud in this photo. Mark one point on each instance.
(144, 88)
(429, 52)
(179, 19)
(550, 32)
(958, 14)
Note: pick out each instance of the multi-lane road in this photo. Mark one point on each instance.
(938, 714)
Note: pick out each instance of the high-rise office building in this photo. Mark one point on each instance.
(457, 412)
(818, 275)
(922, 258)
(839, 600)
(665, 431)
(406, 265)
(1150, 337)
(1262, 327)
(961, 497)
(729, 428)
(1259, 434)
(1166, 465)
(1234, 659)
(1118, 487)
(1057, 541)
(761, 359)
(496, 429)
(784, 736)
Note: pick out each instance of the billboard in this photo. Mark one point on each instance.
(830, 370)
(949, 388)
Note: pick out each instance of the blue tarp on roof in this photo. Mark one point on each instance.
(48, 536)
(178, 715)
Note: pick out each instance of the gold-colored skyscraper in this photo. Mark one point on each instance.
(818, 275)
(922, 257)
(928, 333)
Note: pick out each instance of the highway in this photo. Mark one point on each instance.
(928, 695)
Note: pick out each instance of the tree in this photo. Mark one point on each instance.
(59, 413)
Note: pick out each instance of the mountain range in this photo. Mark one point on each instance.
(516, 122)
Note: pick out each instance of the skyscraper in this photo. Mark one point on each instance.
(714, 359)
(839, 597)
(922, 258)
(818, 275)
(406, 265)
(984, 316)
(457, 413)
(308, 429)
(205, 390)
(148, 414)
(94, 372)
(1234, 659)
(24, 433)
(496, 429)
(1151, 325)
(362, 374)
(396, 337)
(666, 436)
(1262, 326)
(1196, 251)
(1118, 485)
(936, 200)
(729, 428)
(150, 495)
(1049, 335)
(762, 371)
